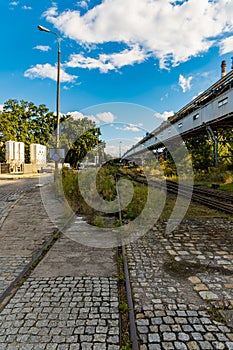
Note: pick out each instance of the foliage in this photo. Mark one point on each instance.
(78, 137)
(202, 151)
(225, 138)
(200, 148)
(106, 188)
(24, 122)
(71, 190)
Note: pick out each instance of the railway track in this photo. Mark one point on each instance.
(211, 198)
(214, 199)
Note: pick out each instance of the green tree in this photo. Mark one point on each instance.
(200, 148)
(225, 148)
(78, 137)
(24, 122)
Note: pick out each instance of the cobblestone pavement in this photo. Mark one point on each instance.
(10, 268)
(182, 286)
(62, 313)
(70, 300)
(10, 192)
(24, 227)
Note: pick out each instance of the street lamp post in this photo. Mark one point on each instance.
(44, 29)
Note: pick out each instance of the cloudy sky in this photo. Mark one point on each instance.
(115, 55)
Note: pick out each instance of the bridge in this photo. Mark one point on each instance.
(210, 111)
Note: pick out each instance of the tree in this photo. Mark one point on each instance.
(200, 148)
(225, 148)
(78, 137)
(24, 122)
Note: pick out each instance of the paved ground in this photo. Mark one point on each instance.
(10, 191)
(70, 300)
(12, 261)
(183, 286)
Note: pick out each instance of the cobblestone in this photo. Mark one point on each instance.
(67, 325)
(178, 302)
(10, 268)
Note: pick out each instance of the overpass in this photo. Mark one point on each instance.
(210, 111)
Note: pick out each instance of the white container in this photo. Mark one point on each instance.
(37, 154)
(19, 152)
(9, 151)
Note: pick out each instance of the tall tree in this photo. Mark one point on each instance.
(24, 122)
(78, 137)
(225, 148)
(200, 148)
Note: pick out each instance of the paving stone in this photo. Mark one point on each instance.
(58, 328)
(153, 338)
(180, 346)
(184, 320)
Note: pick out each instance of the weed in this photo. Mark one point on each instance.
(215, 314)
(127, 346)
(124, 309)
(99, 222)
(123, 305)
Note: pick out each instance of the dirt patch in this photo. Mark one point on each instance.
(184, 268)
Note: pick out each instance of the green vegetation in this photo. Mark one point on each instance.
(123, 306)
(23, 121)
(104, 188)
(78, 137)
(227, 187)
(201, 151)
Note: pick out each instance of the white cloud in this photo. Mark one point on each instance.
(26, 7)
(185, 83)
(226, 45)
(131, 127)
(172, 32)
(1, 107)
(42, 47)
(79, 115)
(79, 61)
(164, 116)
(51, 12)
(106, 62)
(115, 150)
(106, 117)
(83, 4)
(14, 3)
(48, 71)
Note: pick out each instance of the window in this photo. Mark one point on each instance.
(196, 116)
(222, 102)
(180, 125)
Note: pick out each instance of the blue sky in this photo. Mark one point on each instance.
(115, 55)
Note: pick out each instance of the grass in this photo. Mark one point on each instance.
(194, 210)
(123, 305)
(106, 190)
(214, 175)
(227, 188)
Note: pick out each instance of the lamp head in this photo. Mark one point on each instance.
(43, 29)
